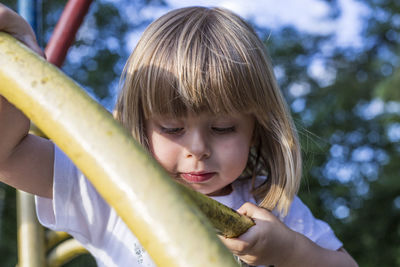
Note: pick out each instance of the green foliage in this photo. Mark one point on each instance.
(8, 231)
(85, 260)
(389, 89)
(351, 159)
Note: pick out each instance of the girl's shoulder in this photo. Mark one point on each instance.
(301, 219)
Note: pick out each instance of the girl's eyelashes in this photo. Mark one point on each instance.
(223, 130)
(171, 130)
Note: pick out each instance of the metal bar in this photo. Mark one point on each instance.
(64, 252)
(65, 30)
(31, 11)
(30, 233)
(55, 237)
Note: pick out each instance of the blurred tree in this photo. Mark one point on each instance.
(346, 102)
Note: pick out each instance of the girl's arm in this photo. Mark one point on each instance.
(26, 161)
(271, 242)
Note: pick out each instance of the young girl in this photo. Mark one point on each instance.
(199, 93)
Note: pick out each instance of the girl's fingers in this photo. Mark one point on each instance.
(236, 246)
(15, 25)
(242, 244)
(253, 211)
(31, 42)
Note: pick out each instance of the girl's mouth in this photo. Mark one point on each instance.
(197, 177)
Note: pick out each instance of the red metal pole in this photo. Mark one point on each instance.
(65, 30)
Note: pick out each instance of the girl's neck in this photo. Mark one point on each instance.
(222, 192)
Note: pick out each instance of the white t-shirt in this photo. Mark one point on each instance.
(78, 209)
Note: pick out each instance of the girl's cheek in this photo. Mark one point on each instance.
(165, 153)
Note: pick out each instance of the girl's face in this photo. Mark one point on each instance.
(206, 152)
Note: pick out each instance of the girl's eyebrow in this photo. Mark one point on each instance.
(226, 117)
(166, 118)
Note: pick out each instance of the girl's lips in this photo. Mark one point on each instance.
(197, 177)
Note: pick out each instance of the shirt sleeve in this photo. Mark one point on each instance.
(75, 204)
(78, 209)
(301, 220)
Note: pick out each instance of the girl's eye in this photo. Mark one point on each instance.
(171, 130)
(223, 130)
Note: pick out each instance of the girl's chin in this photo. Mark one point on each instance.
(205, 189)
(221, 192)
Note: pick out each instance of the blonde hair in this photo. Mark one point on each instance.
(209, 59)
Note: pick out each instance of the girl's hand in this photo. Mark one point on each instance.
(267, 242)
(15, 25)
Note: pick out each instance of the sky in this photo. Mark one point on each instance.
(307, 15)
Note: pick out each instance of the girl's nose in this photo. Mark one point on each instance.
(197, 146)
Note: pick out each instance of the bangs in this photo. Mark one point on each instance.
(195, 68)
